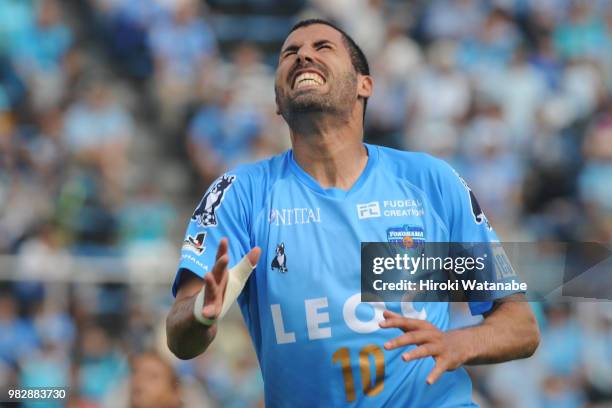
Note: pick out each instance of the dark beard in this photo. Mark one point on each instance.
(339, 99)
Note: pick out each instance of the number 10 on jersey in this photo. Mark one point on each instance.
(370, 388)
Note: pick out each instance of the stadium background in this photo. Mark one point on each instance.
(116, 114)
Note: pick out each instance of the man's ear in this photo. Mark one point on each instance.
(278, 112)
(365, 86)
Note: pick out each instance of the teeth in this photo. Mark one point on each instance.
(306, 82)
(308, 79)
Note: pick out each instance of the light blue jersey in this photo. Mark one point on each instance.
(317, 345)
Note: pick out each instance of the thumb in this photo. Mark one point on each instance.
(253, 256)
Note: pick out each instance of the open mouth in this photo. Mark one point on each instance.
(308, 80)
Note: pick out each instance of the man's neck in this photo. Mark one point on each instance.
(331, 152)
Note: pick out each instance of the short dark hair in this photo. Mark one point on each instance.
(358, 58)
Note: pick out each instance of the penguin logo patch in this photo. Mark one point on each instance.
(205, 214)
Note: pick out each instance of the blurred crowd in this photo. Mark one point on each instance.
(116, 114)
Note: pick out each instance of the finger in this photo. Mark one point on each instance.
(413, 337)
(220, 268)
(403, 323)
(222, 250)
(212, 297)
(253, 256)
(423, 351)
(215, 282)
(387, 314)
(438, 370)
(222, 284)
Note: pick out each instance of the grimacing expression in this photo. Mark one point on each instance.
(315, 73)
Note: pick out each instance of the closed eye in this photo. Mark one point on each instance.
(291, 50)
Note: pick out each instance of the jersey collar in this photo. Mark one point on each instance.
(335, 192)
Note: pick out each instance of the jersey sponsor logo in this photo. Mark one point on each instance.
(195, 244)
(280, 259)
(319, 323)
(205, 214)
(403, 208)
(407, 236)
(191, 258)
(294, 216)
(479, 215)
(368, 210)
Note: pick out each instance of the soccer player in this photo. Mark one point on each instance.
(300, 218)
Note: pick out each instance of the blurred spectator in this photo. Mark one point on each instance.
(221, 135)
(251, 80)
(45, 368)
(583, 34)
(42, 149)
(547, 60)
(231, 374)
(153, 382)
(362, 19)
(561, 359)
(441, 19)
(54, 324)
(97, 132)
(24, 204)
(584, 87)
(387, 108)
(124, 27)
(19, 338)
(521, 91)
(441, 92)
(492, 48)
(145, 223)
(181, 46)
(146, 218)
(35, 253)
(100, 365)
(441, 97)
(594, 179)
(39, 51)
(86, 216)
(491, 168)
(598, 357)
(15, 18)
(12, 87)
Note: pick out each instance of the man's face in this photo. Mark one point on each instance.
(151, 385)
(315, 73)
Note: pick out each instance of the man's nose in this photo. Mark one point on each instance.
(304, 54)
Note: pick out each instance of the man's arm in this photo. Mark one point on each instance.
(186, 337)
(509, 331)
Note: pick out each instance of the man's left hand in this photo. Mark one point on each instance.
(444, 347)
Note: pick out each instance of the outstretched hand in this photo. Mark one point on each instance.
(216, 280)
(444, 347)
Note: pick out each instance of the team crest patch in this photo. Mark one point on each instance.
(407, 236)
(195, 244)
(205, 214)
(280, 259)
(479, 215)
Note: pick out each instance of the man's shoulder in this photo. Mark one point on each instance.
(413, 165)
(257, 175)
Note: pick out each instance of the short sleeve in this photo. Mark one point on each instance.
(469, 225)
(220, 213)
